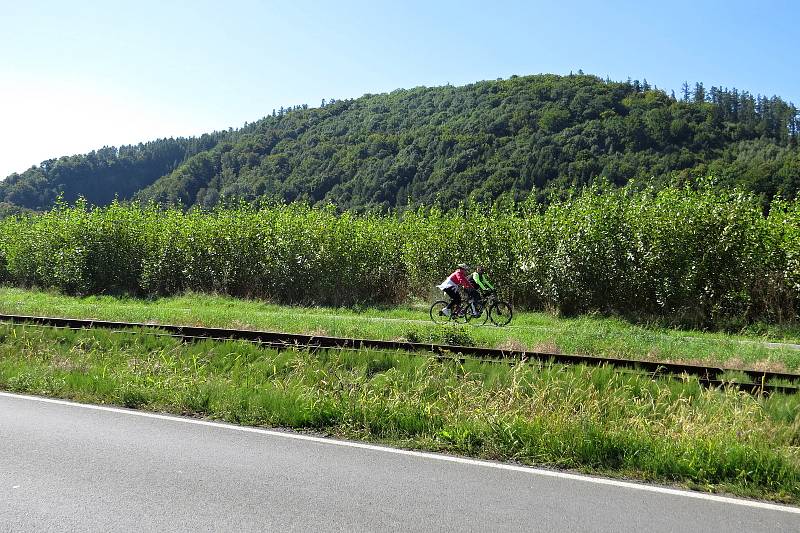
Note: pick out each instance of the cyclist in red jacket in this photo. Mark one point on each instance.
(450, 286)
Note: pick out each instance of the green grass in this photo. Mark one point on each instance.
(592, 419)
(598, 336)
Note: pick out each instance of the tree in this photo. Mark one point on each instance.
(699, 93)
(685, 91)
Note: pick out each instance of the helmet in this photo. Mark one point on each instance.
(463, 265)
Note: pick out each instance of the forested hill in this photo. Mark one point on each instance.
(100, 175)
(483, 141)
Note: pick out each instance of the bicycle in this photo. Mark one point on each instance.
(491, 308)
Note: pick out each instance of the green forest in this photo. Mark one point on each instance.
(487, 142)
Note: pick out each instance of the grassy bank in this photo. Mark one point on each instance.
(534, 331)
(586, 418)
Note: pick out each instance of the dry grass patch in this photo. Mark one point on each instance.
(759, 366)
(548, 347)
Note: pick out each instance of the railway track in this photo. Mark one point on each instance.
(759, 381)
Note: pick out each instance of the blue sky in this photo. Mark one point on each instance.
(79, 75)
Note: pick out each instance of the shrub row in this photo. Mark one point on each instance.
(700, 257)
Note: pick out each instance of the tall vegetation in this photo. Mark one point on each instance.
(694, 256)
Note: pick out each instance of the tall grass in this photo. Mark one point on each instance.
(589, 418)
(702, 257)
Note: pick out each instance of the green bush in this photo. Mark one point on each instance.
(697, 257)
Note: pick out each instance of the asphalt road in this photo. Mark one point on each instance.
(65, 467)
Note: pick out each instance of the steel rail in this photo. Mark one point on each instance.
(708, 375)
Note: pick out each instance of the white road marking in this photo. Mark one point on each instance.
(425, 455)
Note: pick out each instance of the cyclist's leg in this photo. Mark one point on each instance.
(455, 298)
(484, 297)
(473, 299)
(459, 304)
(455, 302)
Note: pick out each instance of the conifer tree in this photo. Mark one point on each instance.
(699, 93)
(685, 90)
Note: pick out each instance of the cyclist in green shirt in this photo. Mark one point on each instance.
(482, 285)
(481, 280)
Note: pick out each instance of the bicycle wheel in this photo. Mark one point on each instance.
(436, 312)
(500, 313)
(481, 318)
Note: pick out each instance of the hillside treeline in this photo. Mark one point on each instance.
(486, 142)
(688, 256)
(99, 176)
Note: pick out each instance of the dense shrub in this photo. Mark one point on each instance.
(693, 256)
